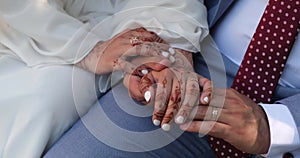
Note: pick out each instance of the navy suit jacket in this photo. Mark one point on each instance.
(288, 96)
(215, 9)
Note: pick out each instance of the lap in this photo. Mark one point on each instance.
(118, 127)
(37, 105)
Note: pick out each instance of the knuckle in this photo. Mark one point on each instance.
(176, 98)
(226, 133)
(231, 91)
(162, 96)
(194, 126)
(159, 107)
(158, 113)
(168, 116)
(166, 72)
(223, 130)
(202, 112)
(193, 91)
(212, 128)
(187, 107)
(205, 81)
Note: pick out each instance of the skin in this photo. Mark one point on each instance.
(240, 122)
(114, 54)
(174, 90)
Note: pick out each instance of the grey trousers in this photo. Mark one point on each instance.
(119, 127)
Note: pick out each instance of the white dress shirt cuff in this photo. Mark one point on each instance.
(283, 130)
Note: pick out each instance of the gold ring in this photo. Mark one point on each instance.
(135, 41)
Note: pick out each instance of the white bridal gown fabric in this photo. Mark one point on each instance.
(41, 39)
(37, 105)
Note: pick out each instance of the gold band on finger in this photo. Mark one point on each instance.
(135, 41)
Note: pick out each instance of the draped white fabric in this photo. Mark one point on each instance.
(42, 32)
(38, 36)
(37, 105)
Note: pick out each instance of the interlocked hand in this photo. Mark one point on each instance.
(237, 120)
(174, 93)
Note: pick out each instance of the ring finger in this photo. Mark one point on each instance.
(208, 113)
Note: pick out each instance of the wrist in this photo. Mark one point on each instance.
(184, 59)
(91, 61)
(264, 136)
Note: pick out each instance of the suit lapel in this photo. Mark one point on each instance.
(216, 9)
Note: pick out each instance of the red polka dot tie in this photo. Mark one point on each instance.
(264, 60)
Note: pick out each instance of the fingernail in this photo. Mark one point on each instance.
(172, 51)
(147, 96)
(165, 54)
(205, 99)
(145, 72)
(172, 59)
(179, 119)
(156, 122)
(166, 127)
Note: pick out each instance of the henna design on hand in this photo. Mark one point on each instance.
(193, 90)
(161, 98)
(138, 70)
(174, 107)
(115, 63)
(164, 82)
(146, 82)
(154, 38)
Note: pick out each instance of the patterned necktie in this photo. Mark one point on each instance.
(264, 60)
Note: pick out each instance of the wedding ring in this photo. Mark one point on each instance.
(135, 41)
(214, 113)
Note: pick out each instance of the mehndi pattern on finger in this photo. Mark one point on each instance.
(145, 83)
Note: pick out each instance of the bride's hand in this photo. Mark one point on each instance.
(116, 53)
(183, 61)
(170, 90)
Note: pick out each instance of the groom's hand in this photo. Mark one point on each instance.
(235, 118)
(173, 93)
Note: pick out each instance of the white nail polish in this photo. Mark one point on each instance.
(145, 72)
(180, 119)
(205, 99)
(172, 59)
(172, 51)
(165, 54)
(147, 96)
(156, 122)
(166, 127)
